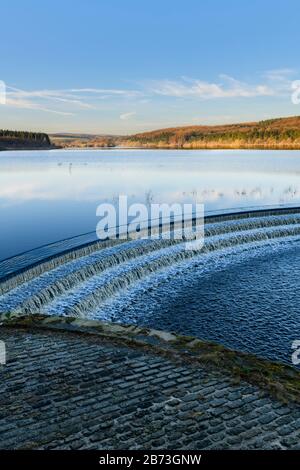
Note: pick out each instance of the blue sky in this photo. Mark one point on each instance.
(115, 66)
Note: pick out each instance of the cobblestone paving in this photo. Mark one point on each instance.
(68, 391)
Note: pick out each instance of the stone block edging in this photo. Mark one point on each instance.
(281, 381)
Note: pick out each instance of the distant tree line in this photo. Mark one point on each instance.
(25, 136)
(272, 132)
(250, 136)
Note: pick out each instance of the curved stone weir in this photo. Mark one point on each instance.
(22, 268)
(20, 276)
(86, 295)
(213, 227)
(240, 225)
(56, 281)
(78, 282)
(140, 301)
(90, 294)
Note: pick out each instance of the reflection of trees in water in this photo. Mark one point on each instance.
(149, 197)
(291, 192)
(257, 193)
(210, 194)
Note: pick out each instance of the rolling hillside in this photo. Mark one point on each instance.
(279, 133)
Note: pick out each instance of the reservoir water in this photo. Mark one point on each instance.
(46, 196)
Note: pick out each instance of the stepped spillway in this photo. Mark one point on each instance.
(103, 279)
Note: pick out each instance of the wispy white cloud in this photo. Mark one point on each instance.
(41, 100)
(109, 91)
(126, 116)
(280, 74)
(29, 105)
(282, 80)
(64, 102)
(227, 87)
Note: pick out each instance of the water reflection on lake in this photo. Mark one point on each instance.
(50, 195)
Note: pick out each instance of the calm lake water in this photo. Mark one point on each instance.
(49, 195)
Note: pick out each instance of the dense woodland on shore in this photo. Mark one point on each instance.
(22, 139)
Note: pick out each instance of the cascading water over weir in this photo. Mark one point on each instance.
(125, 280)
(78, 281)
